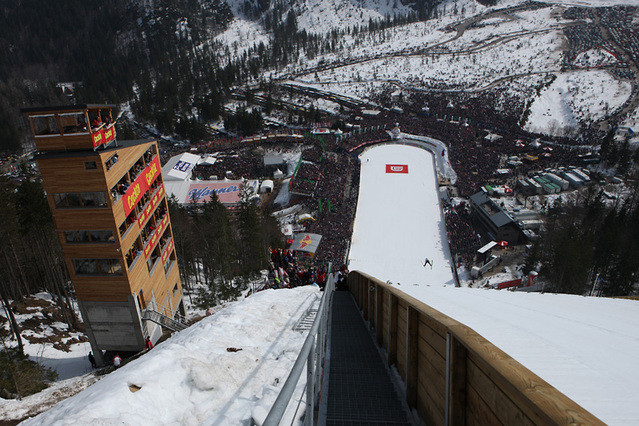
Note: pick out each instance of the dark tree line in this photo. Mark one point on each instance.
(222, 249)
(31, 259)
(130, 51)
(591, 242)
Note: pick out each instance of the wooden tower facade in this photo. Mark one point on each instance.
(111, 215)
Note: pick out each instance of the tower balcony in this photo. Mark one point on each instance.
(71, 127)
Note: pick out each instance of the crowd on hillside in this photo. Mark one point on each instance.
(236, 166)
(462, 237)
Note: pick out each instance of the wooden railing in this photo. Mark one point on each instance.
(451, 374)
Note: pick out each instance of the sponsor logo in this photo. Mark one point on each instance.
(207, 191)
(183, 166)
(133, 196)
(97, 138)
(151, 173)
(108, 134)
(396, 168)
(305, 241)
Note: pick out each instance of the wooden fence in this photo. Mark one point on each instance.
(451, 374)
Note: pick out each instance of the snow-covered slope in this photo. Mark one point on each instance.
(219, 371)
(583, 346)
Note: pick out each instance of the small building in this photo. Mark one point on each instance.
(273, 163)
(494, 221)
(180, 167)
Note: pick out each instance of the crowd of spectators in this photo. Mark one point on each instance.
(462, 237)
(336, 193)
(246, 164)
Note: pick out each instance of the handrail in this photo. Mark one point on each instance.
(312, 353)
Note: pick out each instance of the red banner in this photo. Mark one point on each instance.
(146, 213)
(397, 168)
(508, 284)
(109, 134)
(140, 185)
(98, 138)
(156, 235)
(167, 251)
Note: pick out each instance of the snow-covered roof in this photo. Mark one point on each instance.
(180, 166)
(228, 191)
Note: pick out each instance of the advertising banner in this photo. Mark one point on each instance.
(397, 168)
(109, 134)
(306, 242)
(227, 192)
(141, 184)
(98, 138)
(146, 213)
(167, 252)
(156, 235)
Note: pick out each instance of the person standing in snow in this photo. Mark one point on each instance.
(92, 359)
(148, 344)
(428, 262)
(117, 361)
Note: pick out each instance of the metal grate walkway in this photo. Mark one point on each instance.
(360, 391)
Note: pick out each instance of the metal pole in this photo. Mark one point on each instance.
(447, 411)
(309, 418)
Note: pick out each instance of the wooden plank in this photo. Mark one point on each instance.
(436, 326)
(386, 321)
(432, 363)
(401, 352)
(379, 317)
(478, 412)
(501, 405)
(392, 329)
(537, 399)
(437, 341)
(101, 289)
(86, 218)
(427, 408)
(457, 380)
(412, 367)
(432, 376)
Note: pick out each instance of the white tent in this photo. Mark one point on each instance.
(266, 186)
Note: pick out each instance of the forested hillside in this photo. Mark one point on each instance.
(161, 55)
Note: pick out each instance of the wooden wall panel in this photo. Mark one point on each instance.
(101, 289)
(503, 407)
(386, 322)
(84, 218)
(432, 376)
(49, 143)
(69, 174)
(487, 386)
(428, 409)
(477, 411)
(434, 339)
(91, 251)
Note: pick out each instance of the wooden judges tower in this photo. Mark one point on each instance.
(111, 214)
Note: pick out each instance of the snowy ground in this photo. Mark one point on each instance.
(583, 346)
(223, 370)
(513, 53)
